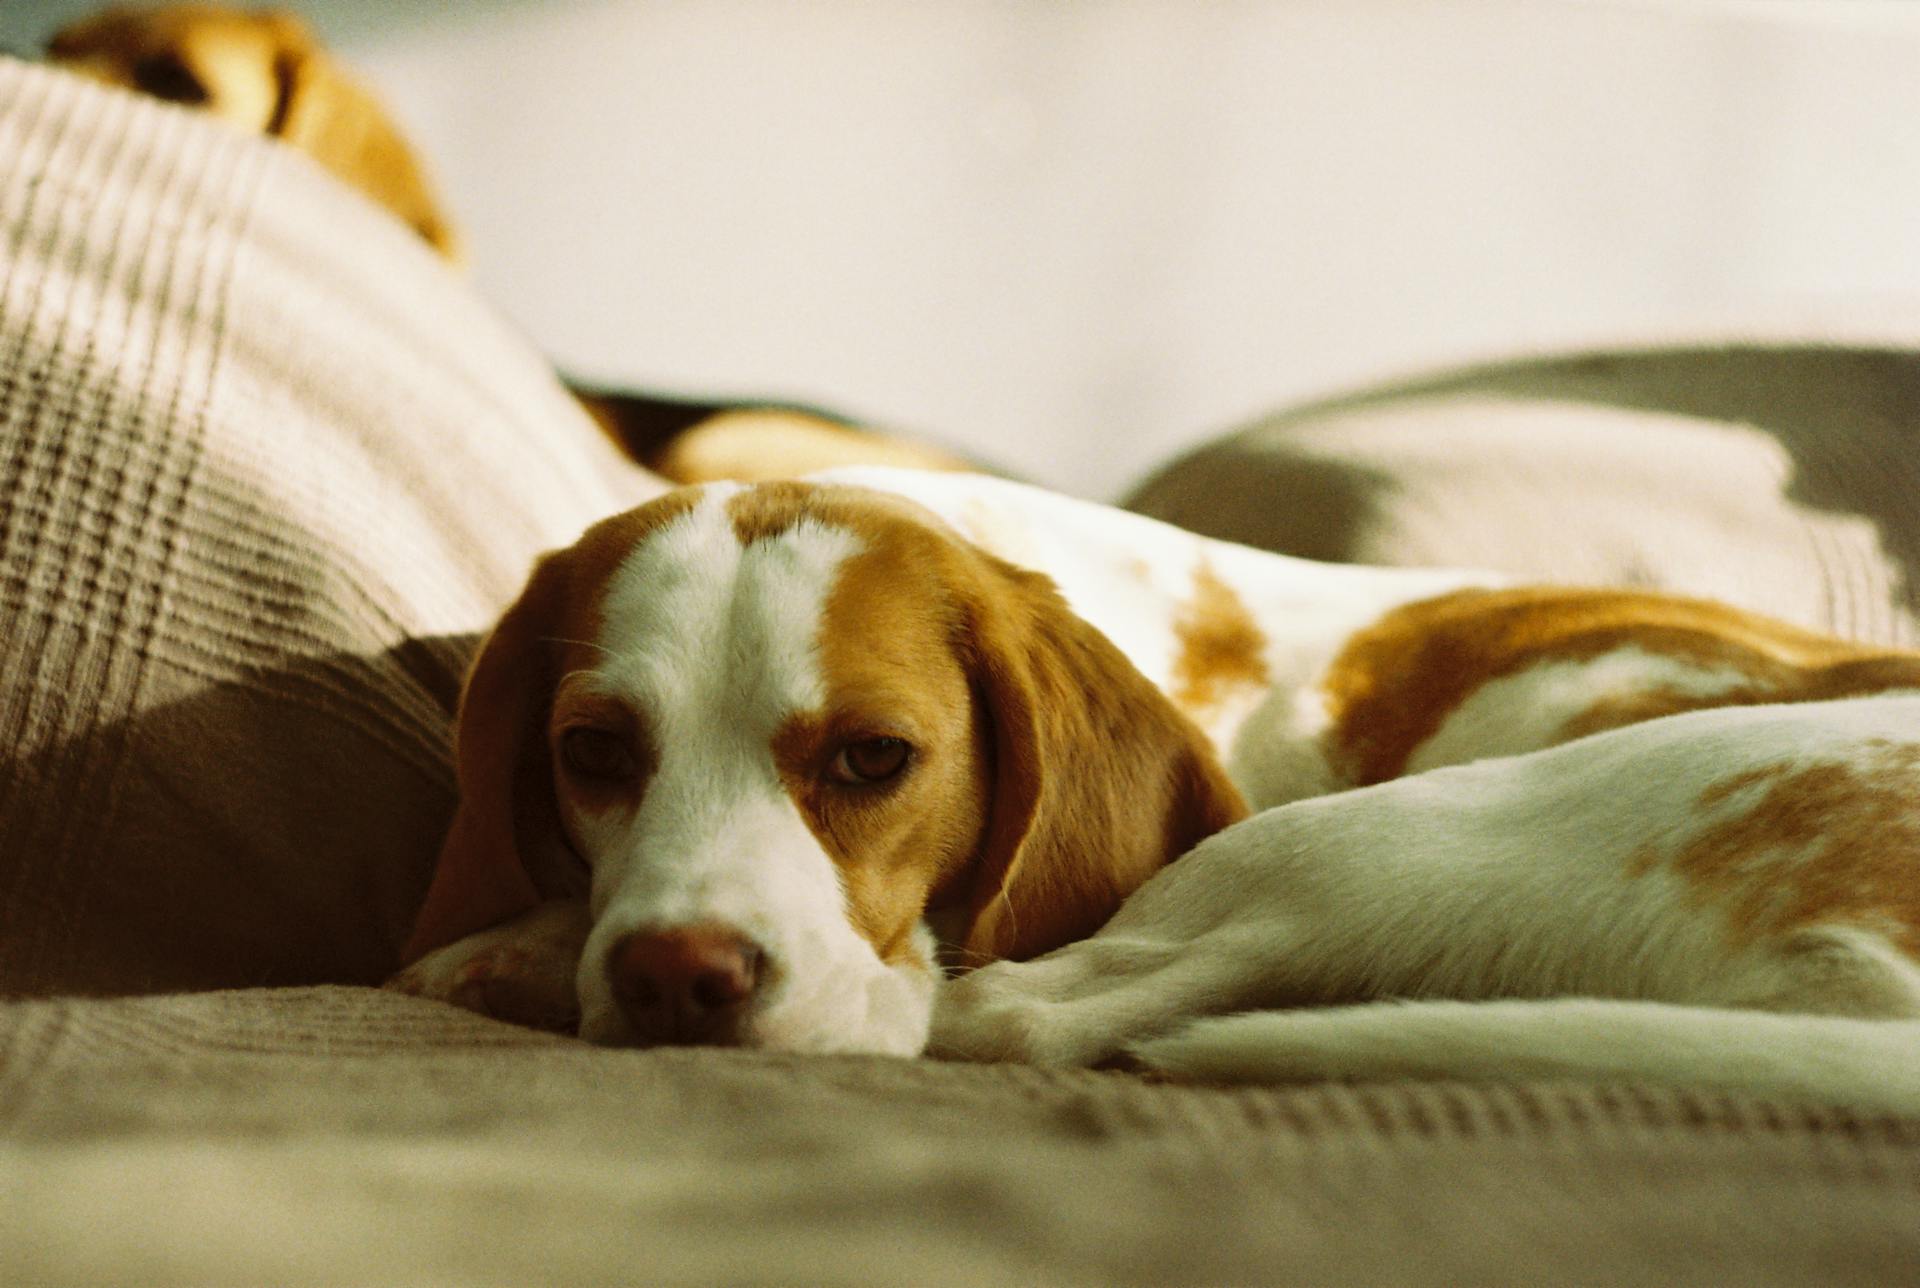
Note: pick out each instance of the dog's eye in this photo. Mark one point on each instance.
(869, 761)
(597, 754)
(165, 76)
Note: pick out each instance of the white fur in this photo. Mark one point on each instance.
(715, 644)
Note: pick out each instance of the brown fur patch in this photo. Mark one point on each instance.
(1831, 843)
(1396, 682)
(890, 669)
(1221, 646)
(1099, 780)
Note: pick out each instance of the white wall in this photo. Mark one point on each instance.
(1077, 234)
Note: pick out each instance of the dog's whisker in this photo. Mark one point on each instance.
(561, 639)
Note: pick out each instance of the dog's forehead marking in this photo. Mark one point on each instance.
(698, 614)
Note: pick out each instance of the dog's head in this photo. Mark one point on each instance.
(777, 732)
(265, 73)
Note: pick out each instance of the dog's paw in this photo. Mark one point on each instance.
(521, 972)
(985, 1016)
(503, 981)
(1037, 1012)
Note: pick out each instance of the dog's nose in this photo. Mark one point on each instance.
(685, 985)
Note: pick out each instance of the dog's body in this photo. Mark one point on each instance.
(751, 766)
(1667, 808)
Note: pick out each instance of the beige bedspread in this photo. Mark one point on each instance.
(344, 1136)
(265, 467)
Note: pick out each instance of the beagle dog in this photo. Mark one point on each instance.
(764, 765)
(265, 72)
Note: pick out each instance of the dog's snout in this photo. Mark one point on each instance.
(685, 985)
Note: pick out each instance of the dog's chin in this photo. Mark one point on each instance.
(884, 1013)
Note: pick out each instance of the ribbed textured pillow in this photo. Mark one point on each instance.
(266, 467)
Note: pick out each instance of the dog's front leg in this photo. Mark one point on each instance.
(1530, 876)
(1252, 917)
(521, 971)
(1568, 872)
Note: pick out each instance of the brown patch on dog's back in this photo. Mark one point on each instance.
(1828, 843)
(1221, 645)
(1396, 682)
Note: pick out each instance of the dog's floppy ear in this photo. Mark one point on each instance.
(493, 863)
(1098, 780)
